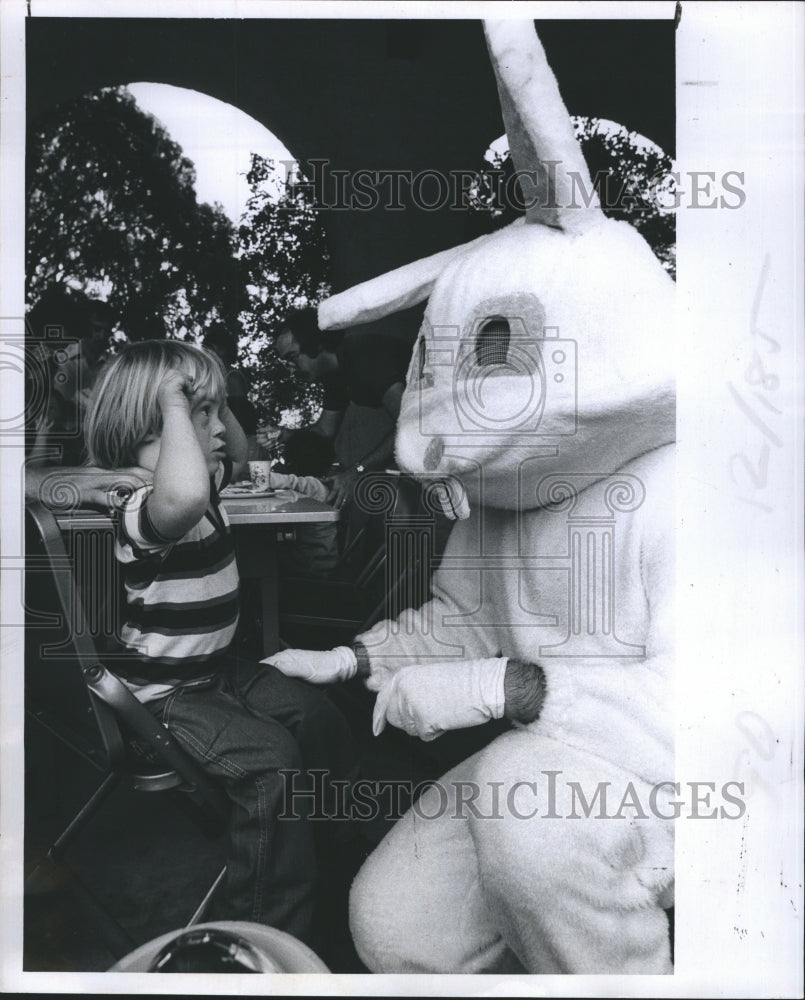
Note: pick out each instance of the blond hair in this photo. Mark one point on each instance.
(125, 412)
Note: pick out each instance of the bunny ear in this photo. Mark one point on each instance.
(542, 142)
(385, 294)
(390, 292)
(543, 146)
(533, 181)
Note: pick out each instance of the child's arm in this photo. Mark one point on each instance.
(181, 477)
(310, 486)
(237, 446)
(68, 487)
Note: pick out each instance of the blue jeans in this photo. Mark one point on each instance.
(247, 726)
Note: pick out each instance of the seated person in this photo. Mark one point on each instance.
(223, 344)
(53, 431)
(308, 453)
(160, 411)
(307, 459)
(71, 335)
(362, 369)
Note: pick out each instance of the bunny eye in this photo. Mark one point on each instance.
(492, 342)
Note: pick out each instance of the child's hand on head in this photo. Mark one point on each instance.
(175, 390)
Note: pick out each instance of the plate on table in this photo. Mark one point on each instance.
(245, 489)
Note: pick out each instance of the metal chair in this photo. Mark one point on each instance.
(73, 692)
(392, 542)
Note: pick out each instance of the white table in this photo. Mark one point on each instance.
(259, 526)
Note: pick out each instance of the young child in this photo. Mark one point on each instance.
(160, 406)
(307, 459)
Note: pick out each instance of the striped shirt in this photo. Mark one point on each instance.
(182, 597)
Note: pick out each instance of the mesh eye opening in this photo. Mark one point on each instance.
(423, 354)
(417, 375)
(492, 342)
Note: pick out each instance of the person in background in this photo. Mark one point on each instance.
(52, 429)
(307, 453)
(306, 461)
(71, 335)
(360, 370)
(223, 344)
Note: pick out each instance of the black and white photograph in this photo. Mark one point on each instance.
(402, 498)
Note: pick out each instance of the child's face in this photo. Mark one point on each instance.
(205, 414)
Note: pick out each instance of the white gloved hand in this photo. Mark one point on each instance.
(427, 699)
(316, 665)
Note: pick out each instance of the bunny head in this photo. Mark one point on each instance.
(546, 347)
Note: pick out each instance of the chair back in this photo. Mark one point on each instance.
(75, 651)
(64, 630)
(396, 539)
(397, 574)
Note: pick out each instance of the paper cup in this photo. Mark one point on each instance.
(260, 474)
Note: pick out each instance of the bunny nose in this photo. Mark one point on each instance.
(433, 454)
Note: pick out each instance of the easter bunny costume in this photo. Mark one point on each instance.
(541, 392)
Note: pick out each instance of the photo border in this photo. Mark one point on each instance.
(739, 685)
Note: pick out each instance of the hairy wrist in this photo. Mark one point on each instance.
(524, 689)
(362, 657)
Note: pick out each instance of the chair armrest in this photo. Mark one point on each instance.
(113, 692)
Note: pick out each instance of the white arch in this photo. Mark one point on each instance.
(217, 137)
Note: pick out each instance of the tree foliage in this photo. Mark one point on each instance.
(112, 211)
(633, 178)
(285, 265)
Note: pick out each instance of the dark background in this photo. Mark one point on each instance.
(380, 95)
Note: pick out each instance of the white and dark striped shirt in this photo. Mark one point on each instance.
(182, 597)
